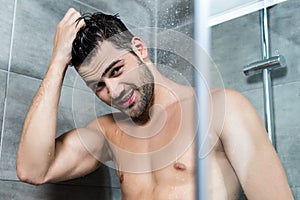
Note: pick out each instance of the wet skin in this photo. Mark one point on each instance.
(170, 173)
(151, 140)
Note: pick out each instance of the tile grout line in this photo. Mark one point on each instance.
(156, 31)
(97, 9)
(7, 77)
(39, 79)
(66, 184)
(87, 5)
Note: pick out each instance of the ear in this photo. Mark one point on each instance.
(140, 48)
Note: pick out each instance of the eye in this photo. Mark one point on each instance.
(116, 71)
(99, 86)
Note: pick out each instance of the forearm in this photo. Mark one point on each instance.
(37, 145)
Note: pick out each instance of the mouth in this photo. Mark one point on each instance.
(128, 101)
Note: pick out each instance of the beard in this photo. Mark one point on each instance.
(146, 91)
(141, 114)
(139, 111)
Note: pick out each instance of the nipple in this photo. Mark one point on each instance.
(179, 166)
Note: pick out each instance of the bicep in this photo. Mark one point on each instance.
(77, 153)
(250, 151)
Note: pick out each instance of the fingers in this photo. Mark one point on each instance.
(79, 24)
(70, 23)
(71, 18)
(68, 14)
(65, 33)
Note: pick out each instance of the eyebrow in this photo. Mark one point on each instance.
(110, 66)
(105, 71)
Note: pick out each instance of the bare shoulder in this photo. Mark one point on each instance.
(239, 118)
(100, 123)
(94, 137)
(105, 123)
(232, 102)
(90, 139)
(233, 113)
(238, 106)
(228, 96)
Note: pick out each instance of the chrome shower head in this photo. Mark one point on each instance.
(272, 63)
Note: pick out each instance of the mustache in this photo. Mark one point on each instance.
(119, 98)
(123, 96)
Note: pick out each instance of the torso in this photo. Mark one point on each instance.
(160, 163)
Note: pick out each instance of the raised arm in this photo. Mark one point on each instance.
(251, 153)
(40, 156)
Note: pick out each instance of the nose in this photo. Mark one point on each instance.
(113, 88)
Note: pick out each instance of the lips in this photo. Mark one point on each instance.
(129, 99)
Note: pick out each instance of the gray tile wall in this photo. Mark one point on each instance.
(236, 43)
(27, 31)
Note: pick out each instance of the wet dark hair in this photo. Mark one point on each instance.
(98, 28)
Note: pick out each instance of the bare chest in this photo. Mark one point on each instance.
(156, 161)
(173, 180)
(167, 139)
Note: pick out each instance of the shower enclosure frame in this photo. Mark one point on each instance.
(203, 27)
(266, 75)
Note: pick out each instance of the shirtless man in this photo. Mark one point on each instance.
(151, 140)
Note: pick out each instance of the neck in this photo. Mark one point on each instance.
(166, 91)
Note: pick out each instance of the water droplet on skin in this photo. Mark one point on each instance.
(173, 194)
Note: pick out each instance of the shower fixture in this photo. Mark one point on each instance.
(272, 63)
(266, 66)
